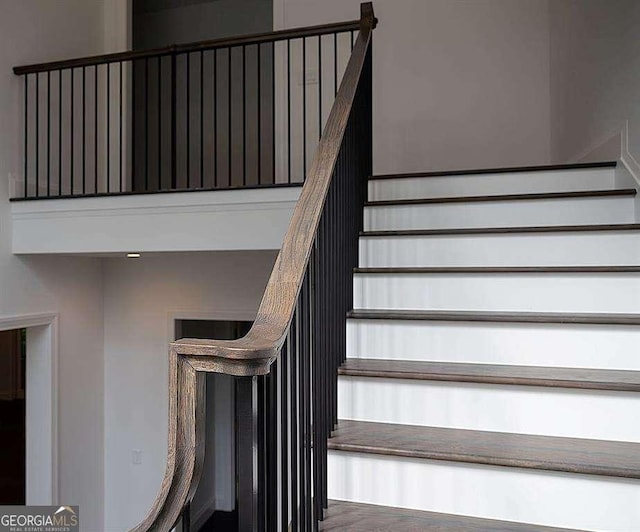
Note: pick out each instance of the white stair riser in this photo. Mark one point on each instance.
(555, 499)
(511, 249)
(571, 413)
(605, 210)
(517, 292)
(488, 184)
(533, 344)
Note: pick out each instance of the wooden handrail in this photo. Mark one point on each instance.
(190, 359)
(254, 38)
(253, 354)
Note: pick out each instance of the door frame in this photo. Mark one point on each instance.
(224, 499)
(41, 404)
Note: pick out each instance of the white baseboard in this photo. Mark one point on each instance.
(605, 148)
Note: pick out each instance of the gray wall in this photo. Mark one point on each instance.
(457, 83)
(595, 76)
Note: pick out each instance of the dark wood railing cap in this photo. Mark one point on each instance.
(252, 39)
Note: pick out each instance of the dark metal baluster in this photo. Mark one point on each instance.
(319, 87)
(318, 387)
(284, 432)
(174, 105)
(215, 118)
(263, 484)
(84, 131)
(335, 64)
(71, 133)
(108, 152)
(121, 137)
(273, 113)
(259, 113)
(95, 128)
(188, 120)
(37, 134)
(288, 109)
(304, 108)
(229, 115)
(304, 420)
(133, 125)
(295, 440)
(159, 110)
(48, 133)
(26, 134)
(201, 119)
(272, 448)
(308, 425)
(304, 353)
(146, 124)
(244, 113)
(59, 132)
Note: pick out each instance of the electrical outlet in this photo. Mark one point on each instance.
(311, 77)
(136, 456)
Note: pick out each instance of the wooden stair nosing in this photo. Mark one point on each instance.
(494, 269)
(555, 377)
(503, 230)
(490, 316)
(504, 170)
(581, 194)
(548, 453)
(358, 517)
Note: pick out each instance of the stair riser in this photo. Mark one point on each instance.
(606, 210)
(543, 293)
(554, 499)
(510, 249)
(500, 408)
(516, 183)
(581, 346)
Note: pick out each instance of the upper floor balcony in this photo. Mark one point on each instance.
(193, 147)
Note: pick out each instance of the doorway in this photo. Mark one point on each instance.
(213, 505)
(189, 125)
(12, 417)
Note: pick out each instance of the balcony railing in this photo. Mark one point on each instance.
(240, 112)
(286, 367)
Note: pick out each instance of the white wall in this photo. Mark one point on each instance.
(142, 297)
(34, 31)
(595, 76)
(457, 83)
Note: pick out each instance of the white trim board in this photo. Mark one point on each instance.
(41, 404)
(183, 221)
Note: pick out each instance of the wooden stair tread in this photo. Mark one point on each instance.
(497, 269)
(505, 197)
(584, 378)
(550, 453)
(358, 517)
(504, 230)
(507, 170)
(489, 316)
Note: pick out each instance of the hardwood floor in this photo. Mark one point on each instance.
(353, 517)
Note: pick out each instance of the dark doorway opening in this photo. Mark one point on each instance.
(213, 507)
(189, 126)
(12, 417)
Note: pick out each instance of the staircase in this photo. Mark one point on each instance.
(493, 359)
